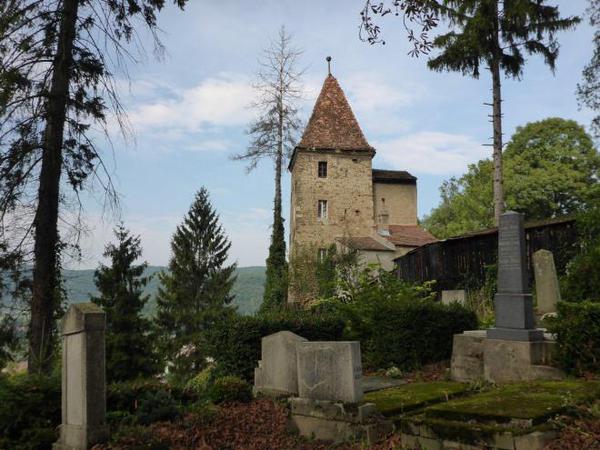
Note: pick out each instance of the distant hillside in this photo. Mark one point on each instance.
(248, 288)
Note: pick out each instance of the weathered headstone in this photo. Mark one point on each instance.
(277, 371)
(83, 378)
(454, 296)
(513, 301)
(546, 282)
(330, 371)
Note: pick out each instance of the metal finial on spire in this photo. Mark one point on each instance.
(328, 59)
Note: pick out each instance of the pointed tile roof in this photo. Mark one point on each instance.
(332, 124)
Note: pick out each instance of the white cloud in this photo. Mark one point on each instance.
(369, 92)
(431, 152)
(248, 230)
(217, 101)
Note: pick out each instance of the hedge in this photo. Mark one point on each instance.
(577, 329)
(29, 411)
(235, 343)
(410, 334)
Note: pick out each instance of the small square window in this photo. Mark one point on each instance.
(322, 169)
(322, 209)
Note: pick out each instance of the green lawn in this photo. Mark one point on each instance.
(410, 397)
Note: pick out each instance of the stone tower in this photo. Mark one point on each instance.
(337, 198)
(332, 191)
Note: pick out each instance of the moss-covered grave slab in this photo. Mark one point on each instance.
(524, 403)
(414, 396)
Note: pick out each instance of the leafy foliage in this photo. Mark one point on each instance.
(129, 349)
(230, 389)
(577, 329)
(195, 293)
(156, 406)
(313, 277)
(29, 411)
(235, 343)
(399, 324)
(582, 280)
(588, 91)
(551, 168)
(276, 281)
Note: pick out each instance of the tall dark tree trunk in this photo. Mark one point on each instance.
(497, 122)
(45, 274)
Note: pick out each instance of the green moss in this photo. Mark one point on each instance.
(410, 397)
(533, 401)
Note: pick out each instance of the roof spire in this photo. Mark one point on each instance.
(328, 59)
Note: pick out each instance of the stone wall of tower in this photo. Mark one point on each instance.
(396, 203)
(348, 189)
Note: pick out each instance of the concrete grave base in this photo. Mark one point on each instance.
(338, 422)
(425, 439)
(75, 437)
(475, 356)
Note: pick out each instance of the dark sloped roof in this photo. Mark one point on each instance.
(364, 243)
(332, 124)
(409, 235)
(393, 176)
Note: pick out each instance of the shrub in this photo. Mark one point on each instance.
(235, 344)
(410, 334)
(577, 330)
(582, 279)
(126, 395)
(29, 411)
(200, 384)
(156, 407)
(230, 389)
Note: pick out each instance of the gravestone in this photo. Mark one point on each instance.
(83, 378)
(513, 301)
(453, 296)
(277, 371)
(330, 371)
(546, 282)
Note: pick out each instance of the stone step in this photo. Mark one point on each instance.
(547, 372)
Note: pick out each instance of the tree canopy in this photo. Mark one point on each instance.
(551, 169)
(588, 91)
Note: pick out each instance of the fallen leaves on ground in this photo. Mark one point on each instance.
(259, 425)
(581, 435)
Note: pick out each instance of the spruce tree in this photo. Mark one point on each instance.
(129, 351)
(196, 291)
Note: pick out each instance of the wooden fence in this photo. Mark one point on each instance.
(461, 262)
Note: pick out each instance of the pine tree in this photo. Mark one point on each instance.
(588, 91)
(273, 135)
(57, 60)
(196, 291)
(129, 351)
(493, 33)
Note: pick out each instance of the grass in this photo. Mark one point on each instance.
(409, 397)
(533, 402)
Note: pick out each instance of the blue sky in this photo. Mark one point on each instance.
(189, 112)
